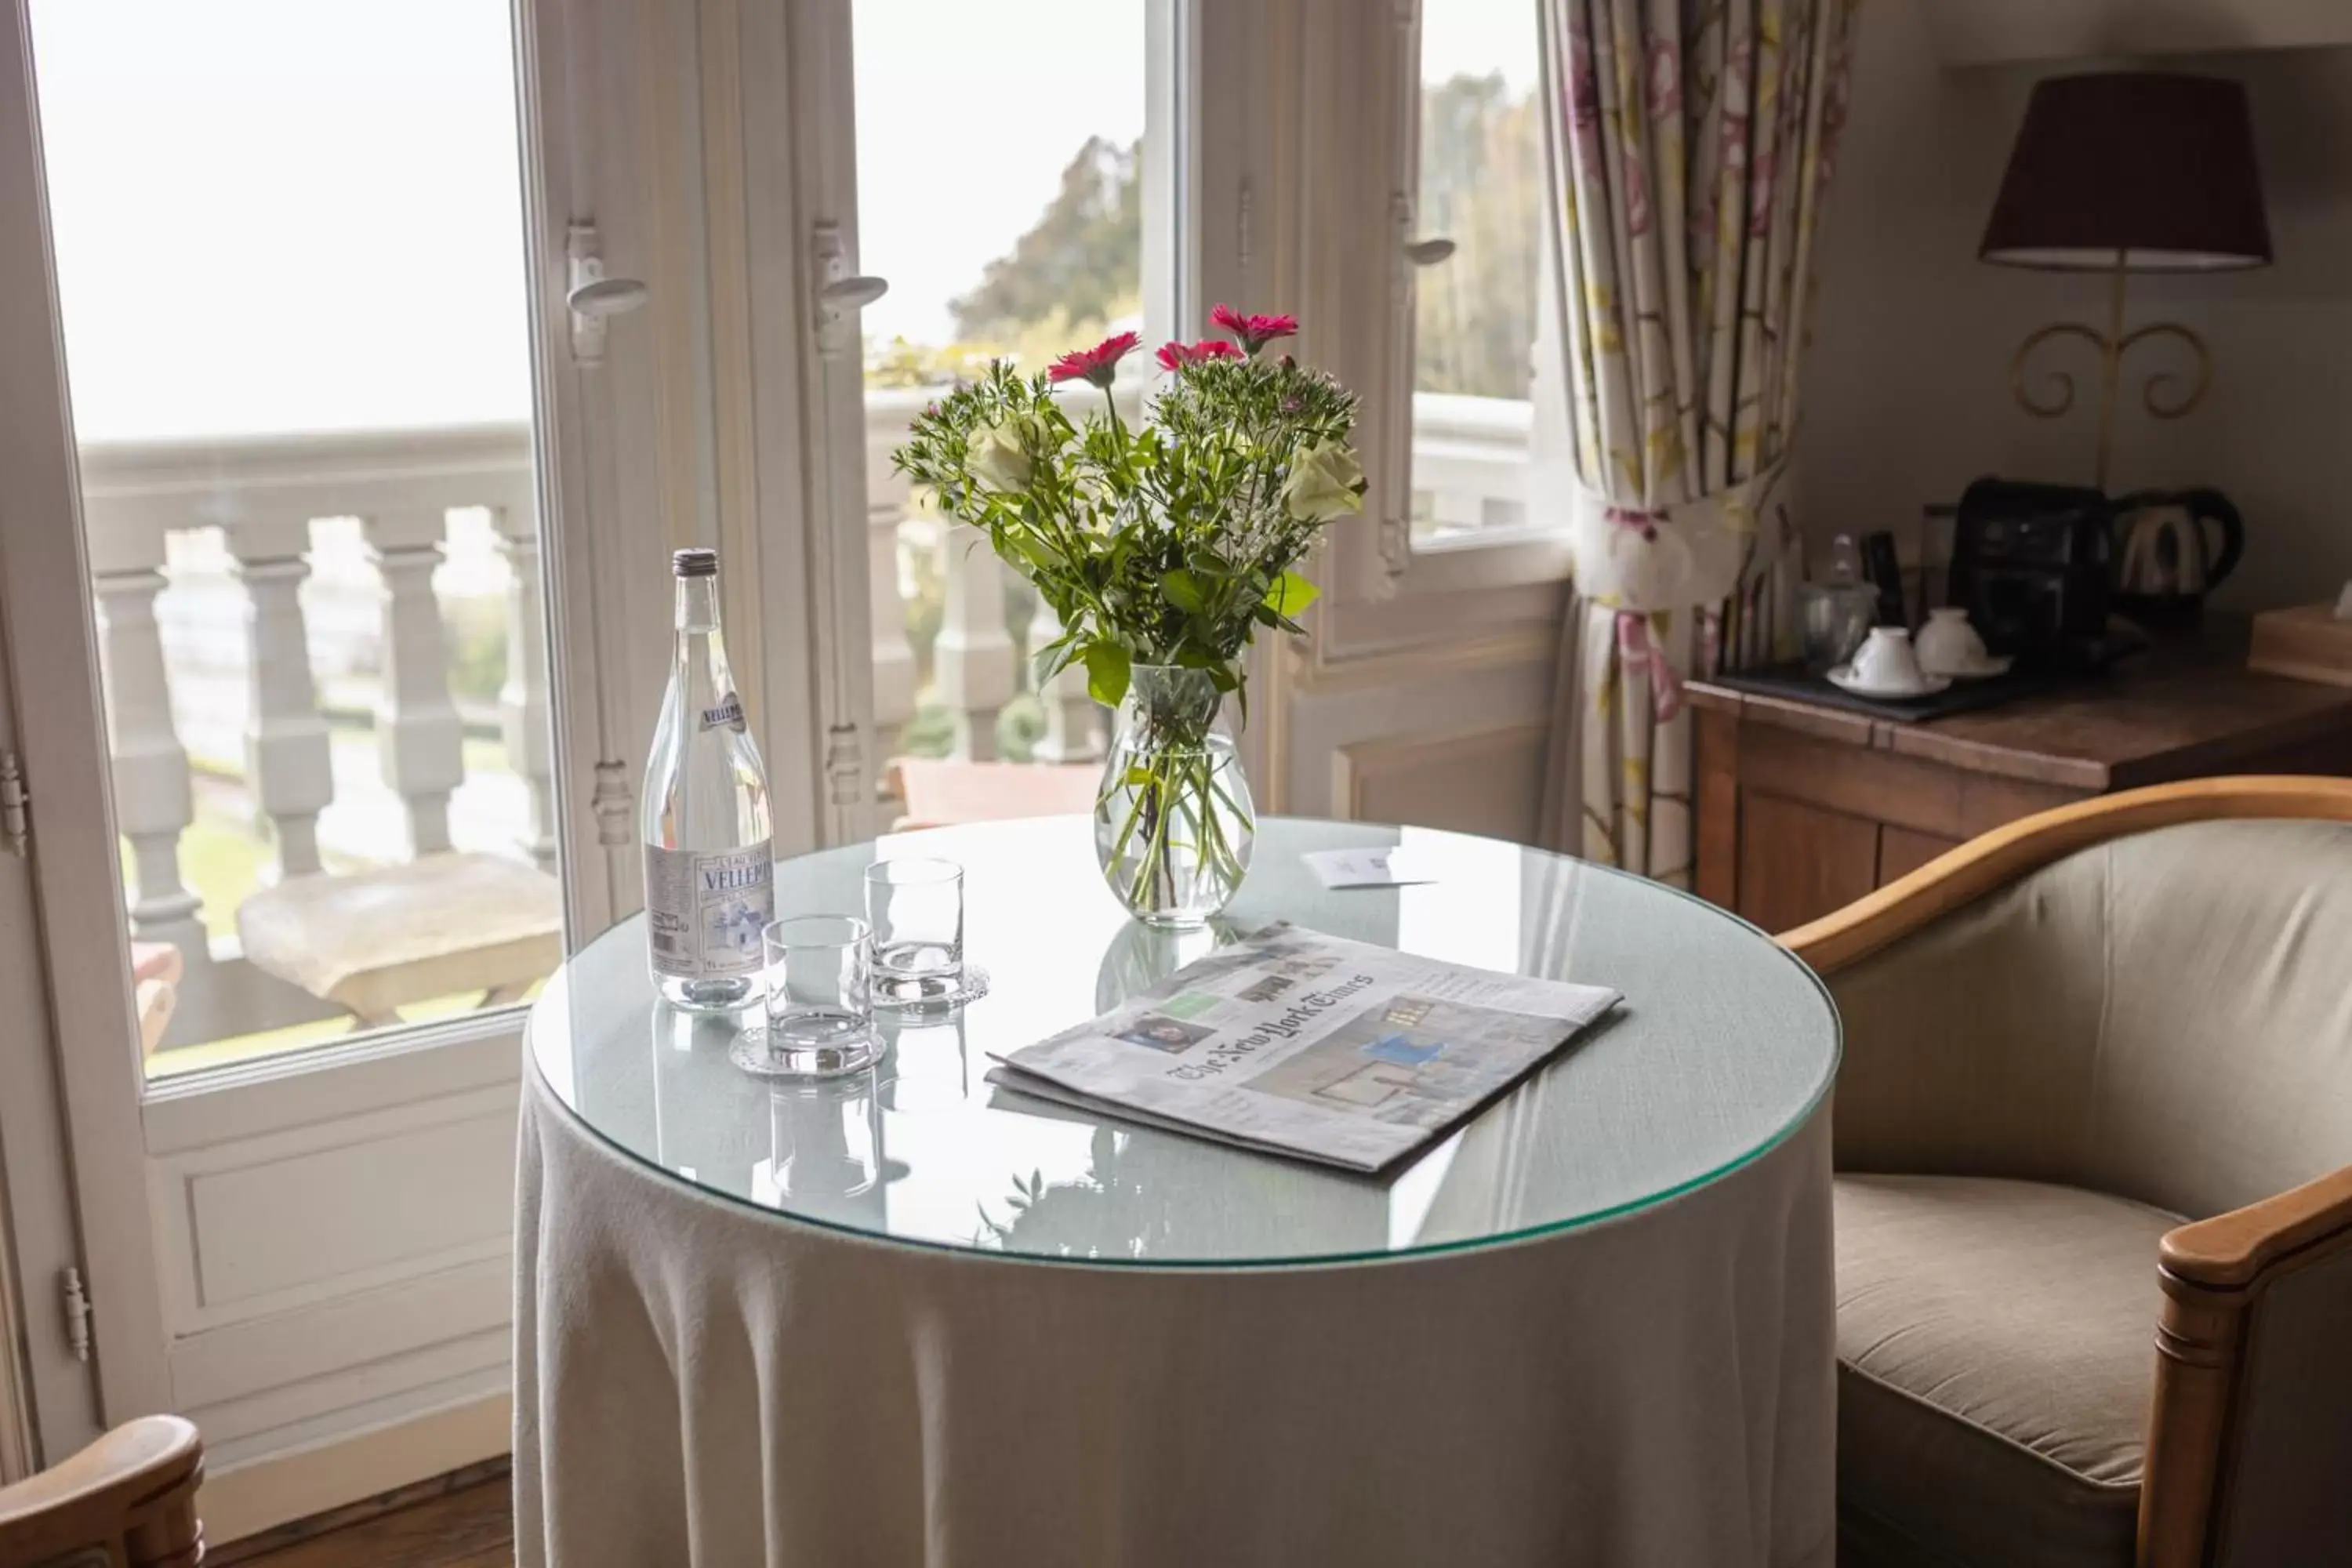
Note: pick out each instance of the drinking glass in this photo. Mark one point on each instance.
(820, 1009)
(1833, 619)
(916, 908)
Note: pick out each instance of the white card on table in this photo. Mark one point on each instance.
(1390, 867)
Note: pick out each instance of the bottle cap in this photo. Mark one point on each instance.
(695, 562)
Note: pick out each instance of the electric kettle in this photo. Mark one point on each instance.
(2172, 548)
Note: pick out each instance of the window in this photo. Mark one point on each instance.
(289, 252)
(1474, 328)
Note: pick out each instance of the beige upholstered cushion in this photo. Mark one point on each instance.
(380, 940)
(1995, 1362)
(2165, 1017)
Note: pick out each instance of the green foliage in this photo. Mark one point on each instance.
(902, 364)
(1081, 256)
(1079, 267)
(931, 732)
(1291, 594)
(1109, 669)
(1481, 185)
(1166, 544)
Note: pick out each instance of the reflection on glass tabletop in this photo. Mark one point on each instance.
(1723, 1045)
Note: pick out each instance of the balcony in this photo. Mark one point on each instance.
(324, 658)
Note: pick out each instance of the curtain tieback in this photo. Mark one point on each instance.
(1669, 557)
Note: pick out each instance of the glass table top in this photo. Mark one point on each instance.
(1724, 1045)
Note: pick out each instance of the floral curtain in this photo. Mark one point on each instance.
(1688, 144)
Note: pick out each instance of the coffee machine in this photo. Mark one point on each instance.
(2032, 563)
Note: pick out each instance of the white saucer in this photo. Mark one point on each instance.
(1843, 678)
(1984, 668)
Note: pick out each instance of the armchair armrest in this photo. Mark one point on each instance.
(136, 1485)
(2230, 1250)
(2251, 1392)
(2251, 1415)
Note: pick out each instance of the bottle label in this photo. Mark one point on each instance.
(704, 913)
(728, 713)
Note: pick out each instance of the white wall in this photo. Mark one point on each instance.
(1906, 394)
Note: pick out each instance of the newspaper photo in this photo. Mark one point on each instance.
(1310, 1045)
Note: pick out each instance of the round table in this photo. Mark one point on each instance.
(912, 1317)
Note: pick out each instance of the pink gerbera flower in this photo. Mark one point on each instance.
(1173, 353)
(1098, 365)
(1255, 332)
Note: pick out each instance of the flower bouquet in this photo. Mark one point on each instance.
(1162, 547)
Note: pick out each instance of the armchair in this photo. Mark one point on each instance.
(128, 1500)
(2094, 1143)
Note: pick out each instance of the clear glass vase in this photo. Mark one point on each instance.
(1173, 820)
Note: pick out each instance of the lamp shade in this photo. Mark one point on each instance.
(2152, 168)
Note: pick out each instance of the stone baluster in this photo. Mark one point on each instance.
(894, 657)
(523, 698)
(420, 743)
(976, 673)
(286, 752)
(1071, 734)
(152, 799)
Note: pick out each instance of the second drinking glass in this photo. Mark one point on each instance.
(916, 909)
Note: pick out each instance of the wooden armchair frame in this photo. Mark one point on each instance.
(132, 1493)
(2214, 1272)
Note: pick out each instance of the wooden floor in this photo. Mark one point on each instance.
(460, 1520)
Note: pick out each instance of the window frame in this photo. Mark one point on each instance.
(1344, 147)
(1457, 564)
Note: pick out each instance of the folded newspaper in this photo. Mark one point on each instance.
(1310, 1045)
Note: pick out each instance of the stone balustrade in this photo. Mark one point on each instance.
(240, 519)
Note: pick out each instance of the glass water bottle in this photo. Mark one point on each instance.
(709, 864)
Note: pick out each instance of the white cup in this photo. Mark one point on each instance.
(1885, 662)
(1948, 644)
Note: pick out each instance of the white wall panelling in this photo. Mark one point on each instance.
(335, 1246)
(265, 1223)
(263, 1426)
(1465, 780)
(1350, 728)
(239, 1500)
(452, 1307)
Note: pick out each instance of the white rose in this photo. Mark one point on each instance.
(1326, 482)
(996, 457)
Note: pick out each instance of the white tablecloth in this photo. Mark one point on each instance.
(696, 1382)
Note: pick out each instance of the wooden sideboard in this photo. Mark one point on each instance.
(1803, 807)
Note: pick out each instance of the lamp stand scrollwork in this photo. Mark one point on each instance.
(2159, 394)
